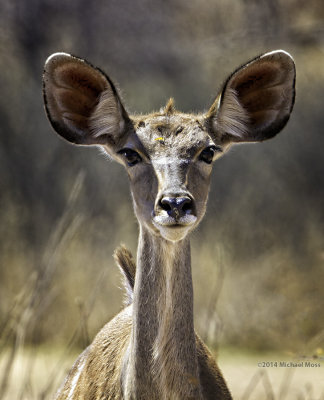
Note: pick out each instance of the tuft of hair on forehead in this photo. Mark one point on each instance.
(169, 107)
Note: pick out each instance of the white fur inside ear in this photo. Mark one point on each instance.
(107, 117)
(231, 117)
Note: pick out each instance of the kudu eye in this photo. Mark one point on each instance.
(131, 156)
(207, 155)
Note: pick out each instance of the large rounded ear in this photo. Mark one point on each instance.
(256, 100)
(81, 102)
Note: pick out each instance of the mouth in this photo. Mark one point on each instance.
(174, 229)
(167, 221)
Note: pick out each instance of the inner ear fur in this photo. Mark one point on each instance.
(81, 102)
(256, 100)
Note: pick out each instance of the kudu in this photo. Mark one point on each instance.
(150, 349)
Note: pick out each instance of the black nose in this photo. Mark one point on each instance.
(175, 206)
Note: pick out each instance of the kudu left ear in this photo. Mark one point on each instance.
(81, 102)
(256, 100)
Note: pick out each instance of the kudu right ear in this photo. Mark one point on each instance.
(81, 102)
(256, 100)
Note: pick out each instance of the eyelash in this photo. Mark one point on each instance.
(207, 155)
(131, 156)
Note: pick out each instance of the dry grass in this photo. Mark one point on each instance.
(248, 381)
(36, 374)
(28, 372)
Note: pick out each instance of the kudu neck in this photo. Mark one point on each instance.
(163, 337)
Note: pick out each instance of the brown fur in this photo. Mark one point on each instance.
(125, 261)
(150, 350)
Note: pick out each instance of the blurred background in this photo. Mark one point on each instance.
(258, 256)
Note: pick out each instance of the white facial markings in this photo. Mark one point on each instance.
(167, 160)
(172, 155)
(169, 232)
(171, 172)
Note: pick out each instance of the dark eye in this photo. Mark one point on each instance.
(207, 155)
(131, 156)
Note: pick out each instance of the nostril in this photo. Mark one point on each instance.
(165, 203)
(176, 207)
(186, 205)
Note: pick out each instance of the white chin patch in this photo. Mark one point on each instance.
(170, 231)
(174, 234)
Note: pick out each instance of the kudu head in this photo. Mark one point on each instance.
(169, 155)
